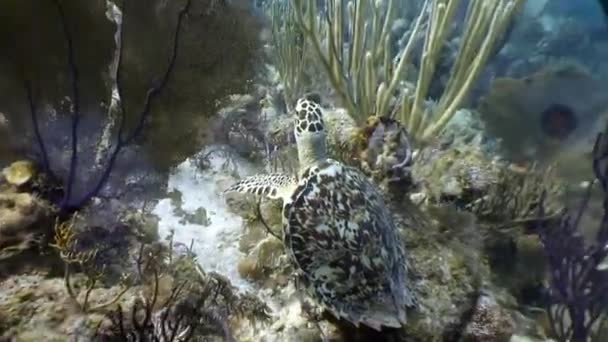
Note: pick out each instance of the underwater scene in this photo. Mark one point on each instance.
(304, 170)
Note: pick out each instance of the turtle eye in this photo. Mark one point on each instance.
(313, 97)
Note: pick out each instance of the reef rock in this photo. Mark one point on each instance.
(24, 221)
(33, 308)
(489, 322)
(448, 268)
(459, 175)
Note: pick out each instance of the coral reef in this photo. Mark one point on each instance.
(467, 128)
(504, 202)
(178, 311)
(453, 252)
(237, 126)
(448, 278)
(491, 253)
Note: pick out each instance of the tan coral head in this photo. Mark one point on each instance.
(19, 172)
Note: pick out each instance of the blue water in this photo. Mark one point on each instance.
(589, 10)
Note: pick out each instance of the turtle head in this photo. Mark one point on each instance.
(309, 118)
(309, 130)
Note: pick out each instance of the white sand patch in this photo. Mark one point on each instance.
(216, 244)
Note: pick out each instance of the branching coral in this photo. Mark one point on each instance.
(352, 40)
(66, 244)
(289, 48)
(172, 323)
(515, 196)
(578, 284)
(194, 304)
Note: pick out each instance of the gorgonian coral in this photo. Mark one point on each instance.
(577, 291)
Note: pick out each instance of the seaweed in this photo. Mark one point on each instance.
(577, 291)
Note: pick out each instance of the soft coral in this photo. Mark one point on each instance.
(577, 291)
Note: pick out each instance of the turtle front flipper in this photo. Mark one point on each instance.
(274, 185)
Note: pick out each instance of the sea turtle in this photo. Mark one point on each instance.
(338, 232)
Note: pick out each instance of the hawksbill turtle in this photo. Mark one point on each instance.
(337, 231)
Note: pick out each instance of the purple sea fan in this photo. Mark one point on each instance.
(577, 291)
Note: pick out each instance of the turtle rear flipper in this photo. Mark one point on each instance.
(378, 315)
(274, 185)
(385, 314)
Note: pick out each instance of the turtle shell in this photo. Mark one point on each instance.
(345, 246)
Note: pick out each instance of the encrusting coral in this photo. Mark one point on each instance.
(458, 175)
